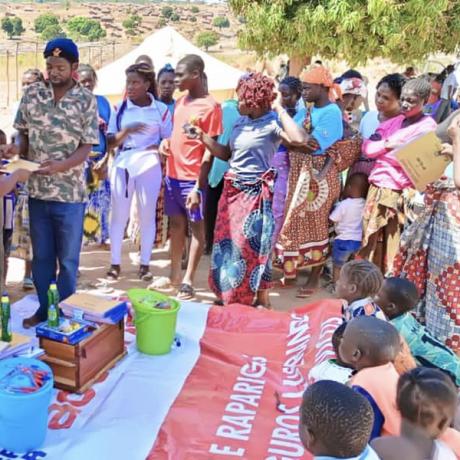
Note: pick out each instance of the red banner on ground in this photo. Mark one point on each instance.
(242, 398)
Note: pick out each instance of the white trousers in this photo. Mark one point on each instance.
(147, 187)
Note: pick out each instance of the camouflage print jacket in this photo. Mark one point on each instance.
(55, 131)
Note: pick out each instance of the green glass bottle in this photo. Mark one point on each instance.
(7, 335)
(53, 305)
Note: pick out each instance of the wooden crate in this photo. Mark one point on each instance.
(77, 367)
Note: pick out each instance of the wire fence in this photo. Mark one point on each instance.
(18, 56)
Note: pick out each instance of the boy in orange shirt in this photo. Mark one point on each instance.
(187, 169)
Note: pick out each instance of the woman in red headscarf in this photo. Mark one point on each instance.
(314, 181)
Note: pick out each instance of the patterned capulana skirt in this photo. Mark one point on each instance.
(430, 257)
(242, 249)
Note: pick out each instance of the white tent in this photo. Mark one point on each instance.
(167, 46)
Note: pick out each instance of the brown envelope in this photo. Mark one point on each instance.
(422, 161)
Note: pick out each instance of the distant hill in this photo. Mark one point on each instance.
(188, 17)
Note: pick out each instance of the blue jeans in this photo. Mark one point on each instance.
(56, 231)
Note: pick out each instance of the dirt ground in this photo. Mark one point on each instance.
(94, 263)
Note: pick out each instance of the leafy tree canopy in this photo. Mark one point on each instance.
(221, 22)
(52, 31)
(132, 22)
(207, 39)
(12, 26)
(45, 20)
(167, 11)
(8, 27)
(356, 30)
(85, 28)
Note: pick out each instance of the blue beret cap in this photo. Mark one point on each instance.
(62, 47)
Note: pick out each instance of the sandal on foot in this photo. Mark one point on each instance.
(186, 292)
(162, 283)
(144, 273)
(28, 284)
(282, 284)
(30, 322)
(114, 272)
(305, 293)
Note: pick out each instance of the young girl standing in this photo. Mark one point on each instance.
(136, 128)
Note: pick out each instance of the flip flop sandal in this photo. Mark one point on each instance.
(186, 292)
(279, 284)
(305, 293)
(162, 283)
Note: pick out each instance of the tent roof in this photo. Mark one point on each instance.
(166, 46)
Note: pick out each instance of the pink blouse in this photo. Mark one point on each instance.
(387, 172)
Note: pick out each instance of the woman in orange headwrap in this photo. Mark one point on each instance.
(314, 183)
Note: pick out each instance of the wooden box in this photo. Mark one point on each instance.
(77, 367)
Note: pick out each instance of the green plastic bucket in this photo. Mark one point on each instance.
(155, 327)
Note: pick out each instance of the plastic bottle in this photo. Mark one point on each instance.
(53, 305)
(7, 335)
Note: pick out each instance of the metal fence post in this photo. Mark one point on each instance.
(7, 78)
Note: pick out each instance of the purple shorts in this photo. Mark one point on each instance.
(176, 193)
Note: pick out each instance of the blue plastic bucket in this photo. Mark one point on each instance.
(23, 416)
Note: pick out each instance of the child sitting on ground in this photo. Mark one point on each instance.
(370, 345)
(348, 218)
(358, 283)
(427, 400)
(332, 369)
(397, 298)
(335, 423)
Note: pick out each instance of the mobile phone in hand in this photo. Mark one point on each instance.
(190, 131)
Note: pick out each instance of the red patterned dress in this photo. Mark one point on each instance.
(241, 255)
(430, 257)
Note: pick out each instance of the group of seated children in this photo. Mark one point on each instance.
(373, 389)
(336, 422)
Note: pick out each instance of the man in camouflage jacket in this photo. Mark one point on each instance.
(57, 123)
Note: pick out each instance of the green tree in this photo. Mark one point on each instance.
(12, 26)
(207, 39)
(45, 20)
(81, 28)
(161, 23)
(18, 27)
(167, 11)
(355, 30)
(221, 22)
(193, 19)
(52, 31)
(131, 24)
(195, 9)
(175, 17)
(8, 27)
